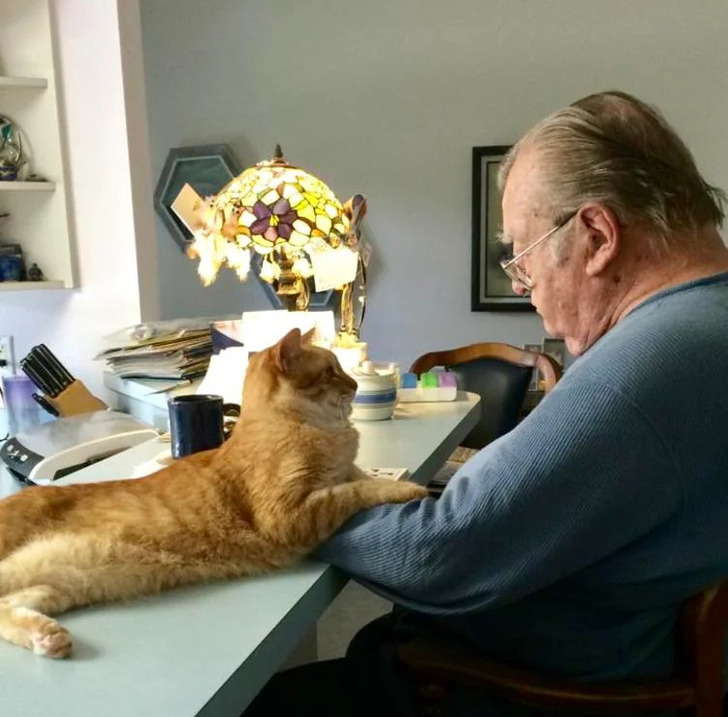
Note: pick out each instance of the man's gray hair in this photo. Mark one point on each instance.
(610, 148)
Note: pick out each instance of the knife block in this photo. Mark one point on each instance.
(75, 399)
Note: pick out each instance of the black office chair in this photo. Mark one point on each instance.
(500, 374)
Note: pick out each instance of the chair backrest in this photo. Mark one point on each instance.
(500, 374)
(704, 630)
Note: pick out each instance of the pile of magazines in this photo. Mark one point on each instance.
(172, 350)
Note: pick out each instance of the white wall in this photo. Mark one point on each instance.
(387, 98)
(107, 172)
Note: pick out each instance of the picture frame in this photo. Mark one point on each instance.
(207, 168)
(556, 348)
(490, 287)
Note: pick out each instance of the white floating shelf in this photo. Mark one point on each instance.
(22, 83)
(31, 285)
(27, 186)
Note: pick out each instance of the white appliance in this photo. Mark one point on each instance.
(47, 452)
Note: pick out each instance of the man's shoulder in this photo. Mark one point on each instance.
(675, 339)
(692, 315)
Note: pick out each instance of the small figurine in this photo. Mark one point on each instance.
(35, 273)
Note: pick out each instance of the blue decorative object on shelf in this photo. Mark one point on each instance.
(11, 267)
(8, 172)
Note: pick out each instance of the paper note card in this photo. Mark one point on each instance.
(185, 206)
(225, 374)
(333, 268)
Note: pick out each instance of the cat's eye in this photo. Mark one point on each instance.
(330, 373)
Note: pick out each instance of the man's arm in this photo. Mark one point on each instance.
(583, 476)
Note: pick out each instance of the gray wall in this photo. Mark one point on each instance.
(387, 98)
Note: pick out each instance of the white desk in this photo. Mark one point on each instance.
(207, 650)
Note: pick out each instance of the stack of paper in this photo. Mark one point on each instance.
(172, 353)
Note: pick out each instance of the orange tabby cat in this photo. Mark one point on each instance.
(282, 483)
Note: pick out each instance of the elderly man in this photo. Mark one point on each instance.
(568, 544)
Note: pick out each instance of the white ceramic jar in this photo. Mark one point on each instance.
(376, 393)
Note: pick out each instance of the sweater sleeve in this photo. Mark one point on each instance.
(584, 476)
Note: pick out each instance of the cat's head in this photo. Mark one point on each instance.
(296, 375)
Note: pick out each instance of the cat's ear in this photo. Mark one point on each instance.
(287, 350)
(307, 338)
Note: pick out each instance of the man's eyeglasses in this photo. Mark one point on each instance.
(515, 272)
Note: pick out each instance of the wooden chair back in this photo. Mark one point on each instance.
(500, 374)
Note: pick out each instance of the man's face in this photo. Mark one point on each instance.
(558, 283)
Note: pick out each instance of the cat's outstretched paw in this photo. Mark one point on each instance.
(406, 491)
(52, 640)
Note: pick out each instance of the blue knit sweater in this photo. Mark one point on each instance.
(568, 543)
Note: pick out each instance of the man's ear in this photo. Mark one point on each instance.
(604, 239)
(287, 350)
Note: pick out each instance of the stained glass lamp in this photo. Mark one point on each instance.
(278, 211)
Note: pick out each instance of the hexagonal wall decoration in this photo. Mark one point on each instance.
(207, 168)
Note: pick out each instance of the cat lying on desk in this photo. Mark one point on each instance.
(282, 483)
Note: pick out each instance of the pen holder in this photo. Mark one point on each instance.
(75, 399)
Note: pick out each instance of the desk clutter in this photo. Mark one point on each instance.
(380, 386)
(173, 350)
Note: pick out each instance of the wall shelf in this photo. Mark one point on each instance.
(38, 210)
(22, 83)
(27, 186)
(31, 285)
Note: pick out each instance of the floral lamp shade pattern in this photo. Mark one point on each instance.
(270, 208)
(284, 205)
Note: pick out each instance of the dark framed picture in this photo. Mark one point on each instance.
(556, 348)
(490, 287)
(207, 168)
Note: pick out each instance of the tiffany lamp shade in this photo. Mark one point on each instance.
(279, 211)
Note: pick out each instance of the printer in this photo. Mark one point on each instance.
(52, 450)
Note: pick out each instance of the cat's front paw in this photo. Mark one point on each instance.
(406, 491)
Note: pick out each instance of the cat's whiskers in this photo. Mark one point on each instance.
(327, 415)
